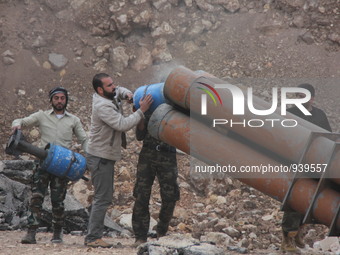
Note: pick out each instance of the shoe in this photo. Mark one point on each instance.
(98, 243)
(160, 234)
(160, 230)
(29, 238)
(288, 242)
(299, 239)
(139, 242)
(57, 235)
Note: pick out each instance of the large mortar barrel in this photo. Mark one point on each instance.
(195, 138)
(290, 143)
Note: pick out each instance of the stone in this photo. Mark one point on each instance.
(29, 108)
(190, 47)
(221, 200)
(101, 65)
(329, 242)
(267, 217)
(247, 204)
(218, 238)
(230, 231)
(295, 3)
(205, 6)
(99, 51)
(252, 235)
(21, 92)
(196, 29)
(162, 30)
(142, 19)
(230, 5)
(124, 174)
(240, 250)
(62, 73)
(58, 61)
(188, 3)
(8, 61)
(307, 38)
(115, 213)
(119, 58)
(122, 24)
(82, 193)
(39, 42)
(7, 53)
(56, 5)
(203, 249)
(182, 226)
(125, 220)
(334, 37)
(47, 65)
(137, 2)
(161, 51)
(198, 205)
(243, 243)
(178, 244)
(220, 225)
(180, 213)
(298, 21)
(143, 59)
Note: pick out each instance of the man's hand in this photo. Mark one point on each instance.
(129, 97)
(145, 103)
(14, 129)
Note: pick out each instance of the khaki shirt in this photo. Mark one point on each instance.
(54, 130)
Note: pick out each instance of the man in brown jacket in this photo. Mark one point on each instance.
(107, 127)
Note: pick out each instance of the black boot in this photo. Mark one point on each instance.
(57, 235)
(29, 238)
(165, 215)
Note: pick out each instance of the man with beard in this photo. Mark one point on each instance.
(291, 221)
(56, 126)
(104, 149)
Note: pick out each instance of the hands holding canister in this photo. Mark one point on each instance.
(156, 92)
(144, 102)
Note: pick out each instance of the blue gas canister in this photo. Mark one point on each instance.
(63, 162)
(156, 91)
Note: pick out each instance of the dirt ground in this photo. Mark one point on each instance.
(263, 44)
(10, 244)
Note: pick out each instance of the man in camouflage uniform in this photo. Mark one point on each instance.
(156, 159)
(291, 222)
(56, 126)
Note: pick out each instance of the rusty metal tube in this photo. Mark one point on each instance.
(179, 130)
(287, 142)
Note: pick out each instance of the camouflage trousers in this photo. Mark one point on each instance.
(152, 163)
(58, 187)
(291, 221)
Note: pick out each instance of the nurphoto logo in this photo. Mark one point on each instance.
(240, 100)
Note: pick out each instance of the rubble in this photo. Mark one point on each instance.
(15, 178)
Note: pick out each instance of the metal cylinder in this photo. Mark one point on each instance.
(287, 142)
(156, 90)
(179, 130)
(63, 162)
(34, 150)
